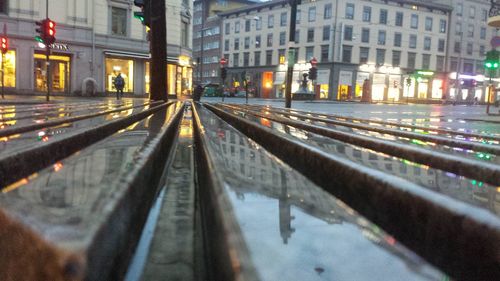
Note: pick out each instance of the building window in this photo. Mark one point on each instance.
(256, 58)
(469, 48)
(236, 59)
(484, 15)
(297, 18)
(326, 33)
(328, 11)
(468, 67)
(297, 36)
(349, 12)
(237, 27)
(184, 34)
(310, 35)
(472, 12)
(460, 9)
(247, 42)
(283, 19)
(428, 24)
(457, 48)
(246, 58)
(270, 40)
(312, 14)
(257, 41)
(247, 25)
(442, 26)
(227, 28)
(10, 68)
(381, 37)
(119, 66)
(470, 30)
(427, 43)
(399, 19)
(269, 57)
(414, 21)
(258, 23)
(383, 16)
(270, 21)
(482, 33)
(441, 45)
(481, 50)
(226, 45)
(458, 29)
(439, 63)
(367, 14)
(363, 55)
(396, 58)
(236, 44)
(426, 61)
(413, 41)
(324, 53)
(281, 56)
(282, 38)
(411, 60)
(348, 33)
(397, 39)
(380, 60)
(346, 53)
(365, 35)
(118, 21)
(309, 53)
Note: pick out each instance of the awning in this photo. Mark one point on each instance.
(127, 54)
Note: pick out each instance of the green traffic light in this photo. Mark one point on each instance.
(39, 39)
(139, 15)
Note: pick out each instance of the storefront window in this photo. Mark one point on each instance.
(437, 88)
(378, 86)
(146, 78)
(171, 73)
(59, 72)
(123, 67)
(423, 86)
(360, 79)
(409, 91)
(10, 68)
(323, 91)
(178, 84)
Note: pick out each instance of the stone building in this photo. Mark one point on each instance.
(96, 40)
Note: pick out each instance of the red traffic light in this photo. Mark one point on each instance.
(313, 62)
(223, 61)
(4, 44)
(51, 28)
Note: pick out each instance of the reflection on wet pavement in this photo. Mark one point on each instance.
(305, 233)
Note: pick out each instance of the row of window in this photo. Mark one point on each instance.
(364, 54)
(457, 48)
(472, 12)
(470, 30)
(311, 17)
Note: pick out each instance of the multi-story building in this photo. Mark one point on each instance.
(390, 43)
(96, 40)
(469, 40)
(206, 32)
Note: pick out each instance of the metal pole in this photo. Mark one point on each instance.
(223, 84)
(246, 90)
(489, 94)
(47, 73)
(3, 73)
(201, 47)
(291, 41)
(158, 51)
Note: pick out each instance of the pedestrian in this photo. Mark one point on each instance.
(198, 91)
(119, 84)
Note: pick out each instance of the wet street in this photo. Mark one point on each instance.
(141, 190)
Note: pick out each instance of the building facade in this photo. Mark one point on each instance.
(402, 47)
(206, 32)
(95, 40)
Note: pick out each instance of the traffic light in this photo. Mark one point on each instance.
(313, 73)
(145, 14)
(408, 81)
(223, 73)
(492, 59)
(50, 33)
(4, 44)
(41, 31)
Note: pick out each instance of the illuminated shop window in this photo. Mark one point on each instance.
(147, 78)
(10, 68)
(123, 67)
(59, 72)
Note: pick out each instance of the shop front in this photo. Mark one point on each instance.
(59, 72)
(360, 79)
(267, 84)
(344, 89)
(9, 65)
(122, 66)
(323, 83)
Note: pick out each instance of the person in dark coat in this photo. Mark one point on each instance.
(367, 94)
(119, 84)
(198, 91)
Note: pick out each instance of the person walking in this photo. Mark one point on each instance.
(119, 84)
(198, 92)
(366, 96)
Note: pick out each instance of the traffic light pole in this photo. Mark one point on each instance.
(289, 73)
(490, 88)
(3, 74)
(158, 51)
(47, 72)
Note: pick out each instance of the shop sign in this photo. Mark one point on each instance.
(345, 78)
(60, 47)
(362, 76)
(323, 76)
(379, 79)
